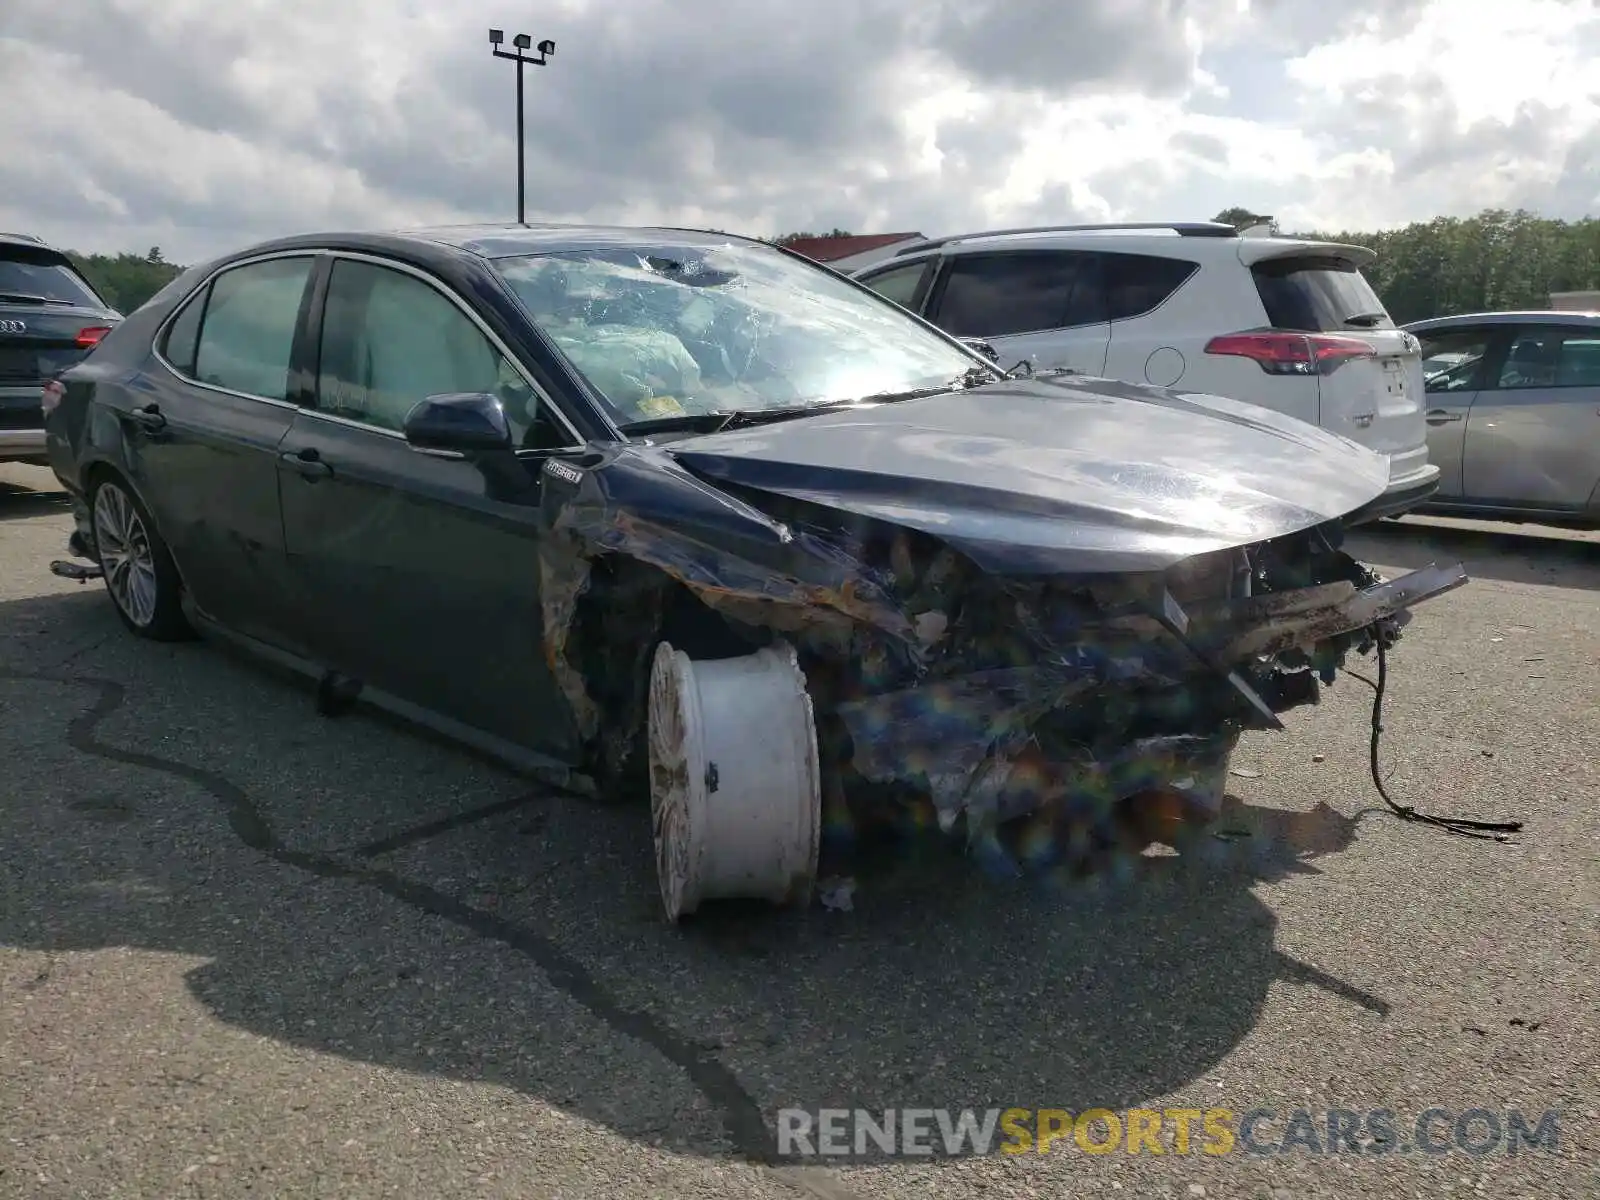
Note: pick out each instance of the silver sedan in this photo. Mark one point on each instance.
(1513, 412)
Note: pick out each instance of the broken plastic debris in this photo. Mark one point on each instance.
(838, 894)
(1245, 773)
(930, 627)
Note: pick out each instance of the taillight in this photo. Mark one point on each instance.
(54, 390)
(1292, 353)
(89, 338)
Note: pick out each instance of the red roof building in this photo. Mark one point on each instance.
(851, 253)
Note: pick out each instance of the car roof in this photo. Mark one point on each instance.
(1203, 240)
(492, 241)
(24, 239)
(1547, 316)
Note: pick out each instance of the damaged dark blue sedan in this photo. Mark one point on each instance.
(684, 514)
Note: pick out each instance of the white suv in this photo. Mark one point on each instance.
(1287, 324)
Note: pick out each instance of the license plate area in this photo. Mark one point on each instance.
(18, 365)
(1394, 376)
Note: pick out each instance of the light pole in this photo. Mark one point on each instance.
(521, 42)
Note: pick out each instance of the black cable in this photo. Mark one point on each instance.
(1498, 831)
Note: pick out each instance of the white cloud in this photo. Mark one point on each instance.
(201, 127)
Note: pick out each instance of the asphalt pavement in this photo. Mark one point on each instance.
(249, 950)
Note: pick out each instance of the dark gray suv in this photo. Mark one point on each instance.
(50, 317)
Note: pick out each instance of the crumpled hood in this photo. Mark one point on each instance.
(1060, 475)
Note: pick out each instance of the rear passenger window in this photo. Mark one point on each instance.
(1138, 283)
(1551, 357)
(1316, 294)
(178, 347)
(997, 295)
(247, 335)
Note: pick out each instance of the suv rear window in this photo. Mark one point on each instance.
(33, 275)
(1318, 295)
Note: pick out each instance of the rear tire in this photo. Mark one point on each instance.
(140, 575)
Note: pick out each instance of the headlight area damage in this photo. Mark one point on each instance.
(780, 666)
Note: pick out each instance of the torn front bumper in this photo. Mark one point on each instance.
(980, 745)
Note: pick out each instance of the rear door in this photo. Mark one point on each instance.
(50, 317)
(1375, 399)
(1533, 436)
(1045, 308)
(202, 438)
(1457, 360)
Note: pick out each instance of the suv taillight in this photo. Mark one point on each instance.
(89, 338)
(1292, 353)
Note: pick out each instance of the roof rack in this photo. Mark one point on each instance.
(1214, 229)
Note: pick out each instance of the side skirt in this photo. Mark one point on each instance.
(530, 763)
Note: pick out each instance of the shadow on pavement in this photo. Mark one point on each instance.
(18, 502)
(1514, 554)
(525, 949)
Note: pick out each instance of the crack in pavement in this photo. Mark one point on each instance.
(741, 1117)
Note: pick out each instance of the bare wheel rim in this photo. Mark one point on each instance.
(125, 554)
(669, 782)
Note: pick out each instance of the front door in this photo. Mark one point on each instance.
(202, 440)
(1453, 364)
(1533, 438)
(419, 574)
(1042, 308)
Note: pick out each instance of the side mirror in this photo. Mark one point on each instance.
(460, 423)
(982, 347)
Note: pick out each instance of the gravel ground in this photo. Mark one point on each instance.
(247, 950)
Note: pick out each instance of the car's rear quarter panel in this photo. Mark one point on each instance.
(1218, 298)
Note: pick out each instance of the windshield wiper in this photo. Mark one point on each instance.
(1367, 319)
(719, 419)
(23, 298)
(970, 378)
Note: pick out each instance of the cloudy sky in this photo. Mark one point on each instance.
(200, 126)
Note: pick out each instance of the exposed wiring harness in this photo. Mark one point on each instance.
(1498, 831)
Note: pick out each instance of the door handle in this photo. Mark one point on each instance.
(307, 462)
(148, 417)
(1441, 416)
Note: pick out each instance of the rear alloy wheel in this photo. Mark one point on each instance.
(139, 571)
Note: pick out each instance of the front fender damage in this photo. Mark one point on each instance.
(1095, 707)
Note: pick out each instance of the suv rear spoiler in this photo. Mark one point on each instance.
(1258, 250)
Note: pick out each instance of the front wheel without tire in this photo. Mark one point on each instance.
(735, 783)
(139, 572)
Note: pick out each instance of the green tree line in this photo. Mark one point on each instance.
(126, 280)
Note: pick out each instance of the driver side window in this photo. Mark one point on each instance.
(390, 340)
(1453, 361)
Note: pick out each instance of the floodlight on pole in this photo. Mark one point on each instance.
(520, 43)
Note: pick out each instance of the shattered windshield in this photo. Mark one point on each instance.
(679, 331)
